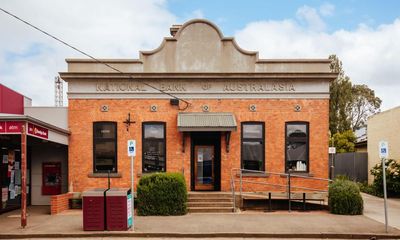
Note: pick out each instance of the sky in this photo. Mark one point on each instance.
(365, 35)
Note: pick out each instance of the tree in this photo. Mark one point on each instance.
(350, 105)
(364, 104)
(340, 96)
(344, 142)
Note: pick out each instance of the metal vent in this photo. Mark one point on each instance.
(297, 108)
(153, 108)
(205, 108)
(104, 108)
(253, 108)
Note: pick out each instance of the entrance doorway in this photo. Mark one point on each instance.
(206, 161)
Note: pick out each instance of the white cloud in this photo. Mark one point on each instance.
(327, 9)
(370, 55)
(311, 17)
(107, 29)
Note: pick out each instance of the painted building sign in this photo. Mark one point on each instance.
(245, 86)
(15, 127)
(38, 131)
(11, 127)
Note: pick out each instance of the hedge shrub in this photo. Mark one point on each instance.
(392, 178)
(162, 194)
(345, 198)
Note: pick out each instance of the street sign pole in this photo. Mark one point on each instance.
(383, 154)
(132, 154)
(133, 193)
(384, 193)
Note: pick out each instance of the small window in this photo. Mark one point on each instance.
(153, 157)
(253, 146)
(297, 147)
(104, 147)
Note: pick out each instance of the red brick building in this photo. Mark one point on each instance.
(236, 111)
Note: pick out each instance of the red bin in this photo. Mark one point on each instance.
(119, 209)
(93, 208)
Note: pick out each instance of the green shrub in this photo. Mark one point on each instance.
(392, 178)
(369, 189)
(345, 198)
(162, 194)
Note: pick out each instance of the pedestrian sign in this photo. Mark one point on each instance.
(131, 148)
(383, 149)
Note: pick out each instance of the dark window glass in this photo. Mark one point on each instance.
(104, 147)
(253, 146)
(153, 159)
(297, 147)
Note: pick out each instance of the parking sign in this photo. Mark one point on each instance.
(131, 148)
(383, 149)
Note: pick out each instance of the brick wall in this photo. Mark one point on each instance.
(59, 203)
(274, 112)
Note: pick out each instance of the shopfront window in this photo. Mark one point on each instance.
(297, 146)
(153, 157)
(104, 147)
(253, 146)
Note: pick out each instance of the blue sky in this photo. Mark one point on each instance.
(364, 34)
(234, 15)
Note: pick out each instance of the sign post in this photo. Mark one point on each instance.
(332, 152)
(383, 154)
(132, 154)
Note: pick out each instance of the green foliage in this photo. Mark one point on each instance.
(369, 189)
(392, 177)
(345, 198)
(344, 142)
(162, 194)
(350, 105)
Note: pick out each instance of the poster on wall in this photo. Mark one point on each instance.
(51, 182)
(4, 194)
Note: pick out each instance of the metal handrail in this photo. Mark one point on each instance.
(288, 186)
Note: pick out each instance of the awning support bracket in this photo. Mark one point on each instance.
(227, 140)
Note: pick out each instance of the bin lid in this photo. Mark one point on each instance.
(118, 191)
(95, 192)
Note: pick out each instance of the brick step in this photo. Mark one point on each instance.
(210, 204)
(209, 199)
(211, 210)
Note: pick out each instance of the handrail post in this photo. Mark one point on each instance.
(233, 192)
(241, 189)
(289, 190)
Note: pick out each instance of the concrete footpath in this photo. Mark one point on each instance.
(316, 224)
(373, 208)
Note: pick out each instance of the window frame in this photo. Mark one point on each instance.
(164, 140)
(242, 139)
(307, 124)
(114, 139)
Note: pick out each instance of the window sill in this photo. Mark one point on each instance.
(104, 175)
(147, 173)
(260, 175)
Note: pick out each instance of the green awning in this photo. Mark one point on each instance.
(204, 121)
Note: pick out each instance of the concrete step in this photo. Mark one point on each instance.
(209, 195)
(210, 199)
(210, 204)
(210, 209)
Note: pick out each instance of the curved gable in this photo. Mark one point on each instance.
(198, 46)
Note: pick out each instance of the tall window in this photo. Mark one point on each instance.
(104, 147)
(253, 146)
(297, 146)
(153, 157)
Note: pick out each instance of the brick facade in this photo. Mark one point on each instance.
(273, 112)
(59, 203)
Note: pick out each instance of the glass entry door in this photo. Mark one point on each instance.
(204, 167)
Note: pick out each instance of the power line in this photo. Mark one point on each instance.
(90, 56)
